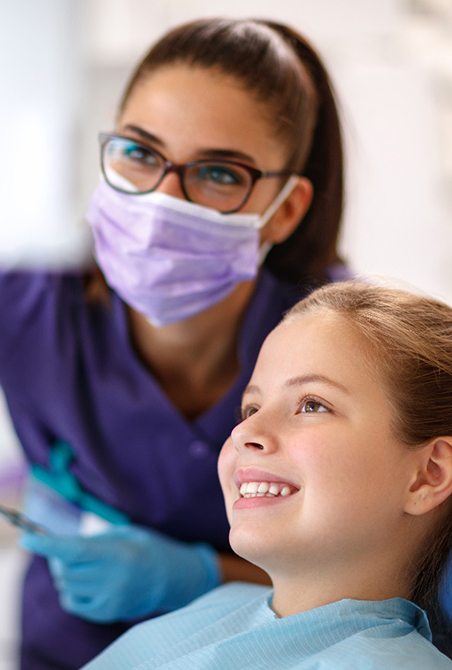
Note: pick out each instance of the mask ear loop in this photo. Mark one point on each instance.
(284, 193)
(264, 250)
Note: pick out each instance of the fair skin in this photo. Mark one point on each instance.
(189, 113)
(358, 503)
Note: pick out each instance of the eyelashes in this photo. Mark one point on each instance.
(238, 415)
(307, 404)
(312, 405)
(242, 413)
(248, 411)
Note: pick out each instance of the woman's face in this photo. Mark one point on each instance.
(317, 434)
(189, 113)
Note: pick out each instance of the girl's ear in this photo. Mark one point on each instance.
(432, 482)
(290, 213)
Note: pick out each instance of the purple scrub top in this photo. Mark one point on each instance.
(69, 372)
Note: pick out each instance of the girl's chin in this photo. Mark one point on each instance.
(250, 548)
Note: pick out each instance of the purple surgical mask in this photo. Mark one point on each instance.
(169, 258)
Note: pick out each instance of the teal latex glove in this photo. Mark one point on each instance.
(126, 572)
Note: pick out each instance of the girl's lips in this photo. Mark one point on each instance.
(252, 503)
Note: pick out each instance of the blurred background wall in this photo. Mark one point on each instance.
(63, 66)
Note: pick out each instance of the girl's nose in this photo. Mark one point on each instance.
(248, 435)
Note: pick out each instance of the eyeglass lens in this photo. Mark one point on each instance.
(134, 168)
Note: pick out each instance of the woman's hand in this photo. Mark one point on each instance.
(126, 572)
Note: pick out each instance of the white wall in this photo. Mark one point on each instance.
(40, 83)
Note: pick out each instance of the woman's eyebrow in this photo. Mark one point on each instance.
(144, 134)
(230, 154)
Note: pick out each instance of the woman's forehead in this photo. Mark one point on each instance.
(201, 107)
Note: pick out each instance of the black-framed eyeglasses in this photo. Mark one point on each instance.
(225, 185)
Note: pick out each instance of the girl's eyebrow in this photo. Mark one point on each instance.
(231, 154)
(322, 379)
(251, 388)
(300, 381)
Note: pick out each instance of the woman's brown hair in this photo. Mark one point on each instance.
(282, 70)
(410, 338)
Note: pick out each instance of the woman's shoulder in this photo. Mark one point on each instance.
(20, 288)
(31, 299)
(292, 292)
(38, 309)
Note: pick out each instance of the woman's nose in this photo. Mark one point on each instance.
(170, 185)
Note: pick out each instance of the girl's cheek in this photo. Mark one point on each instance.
(226, 464)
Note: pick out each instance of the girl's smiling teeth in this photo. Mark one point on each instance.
(261, 489)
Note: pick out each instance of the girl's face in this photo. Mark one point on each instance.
(194, 113)
(316, 441)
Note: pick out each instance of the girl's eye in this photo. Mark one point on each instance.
(248, 411)
(312, 406)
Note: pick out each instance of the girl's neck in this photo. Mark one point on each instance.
(376, 579)
(288, 600)
(195, 361)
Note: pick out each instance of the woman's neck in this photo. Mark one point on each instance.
(195, 361)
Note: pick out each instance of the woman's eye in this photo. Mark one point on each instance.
(312, 406)
(140, 154)
(220, 175)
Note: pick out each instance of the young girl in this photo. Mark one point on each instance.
(338, 483)
(219, 207)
